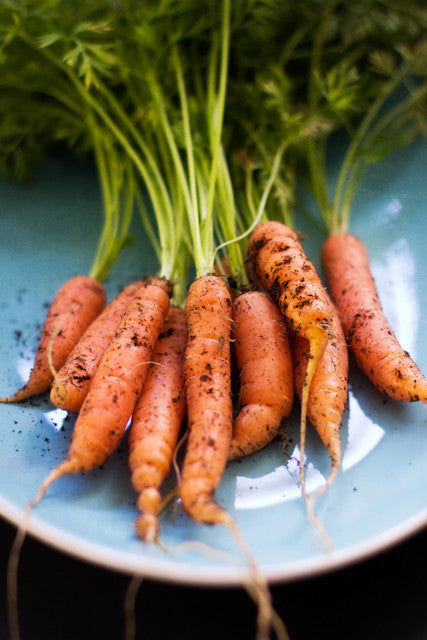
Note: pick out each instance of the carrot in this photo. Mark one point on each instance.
(208, 392)
(156, 422)
(72, 381)
(283, 270)
(266, 373)
(117, 383)
(76, 304)
(210, 415)
(370, 338)
(329, 386)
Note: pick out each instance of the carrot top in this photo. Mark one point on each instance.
(376, 95)
(48, 71)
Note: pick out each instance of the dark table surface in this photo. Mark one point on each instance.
(61, 598)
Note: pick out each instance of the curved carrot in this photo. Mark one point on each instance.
(76, 304)
(117, 383)
(208, 392)
(369, 336)
(329, 386)
(156, 422)
(72, 381)
(284, 270)
(266, 372)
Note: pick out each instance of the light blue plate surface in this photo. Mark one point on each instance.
(48, 232)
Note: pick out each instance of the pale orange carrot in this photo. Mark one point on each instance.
(117, 384)
(77, 303)
(72, 381)
(156, 422)
(208, 392)
(264, 362)
(373, 343)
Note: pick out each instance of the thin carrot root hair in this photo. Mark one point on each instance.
(129, 609)
(255, 584)
(175, 464)
(76, 304)
(173, 494)
(329, 383)
(283, 270)
(15, 552)
(12, 576)
(258, 589)
(317, 344)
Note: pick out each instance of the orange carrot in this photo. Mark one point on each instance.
(284, 270)
(210, 415)
(117, 384)
(156, 422)
(370, 338)
(72, 381)
(208, 392)
(76, 304)
(266, 372)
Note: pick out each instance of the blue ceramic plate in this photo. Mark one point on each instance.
(48, 233)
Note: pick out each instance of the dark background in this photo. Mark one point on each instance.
(61, 598)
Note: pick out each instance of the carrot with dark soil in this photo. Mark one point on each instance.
(156, 422)
(72, 381)
(207, 375)
(77, 303)
(264, 363)
(375, 346)
(283, 269)
(208, 392)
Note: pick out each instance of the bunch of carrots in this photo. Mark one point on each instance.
(220, 179)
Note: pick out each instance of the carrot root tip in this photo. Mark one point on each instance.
(147, 527)
(67, 466)
(10, 399)
(22, 394)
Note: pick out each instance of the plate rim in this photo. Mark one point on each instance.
(215, 576)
